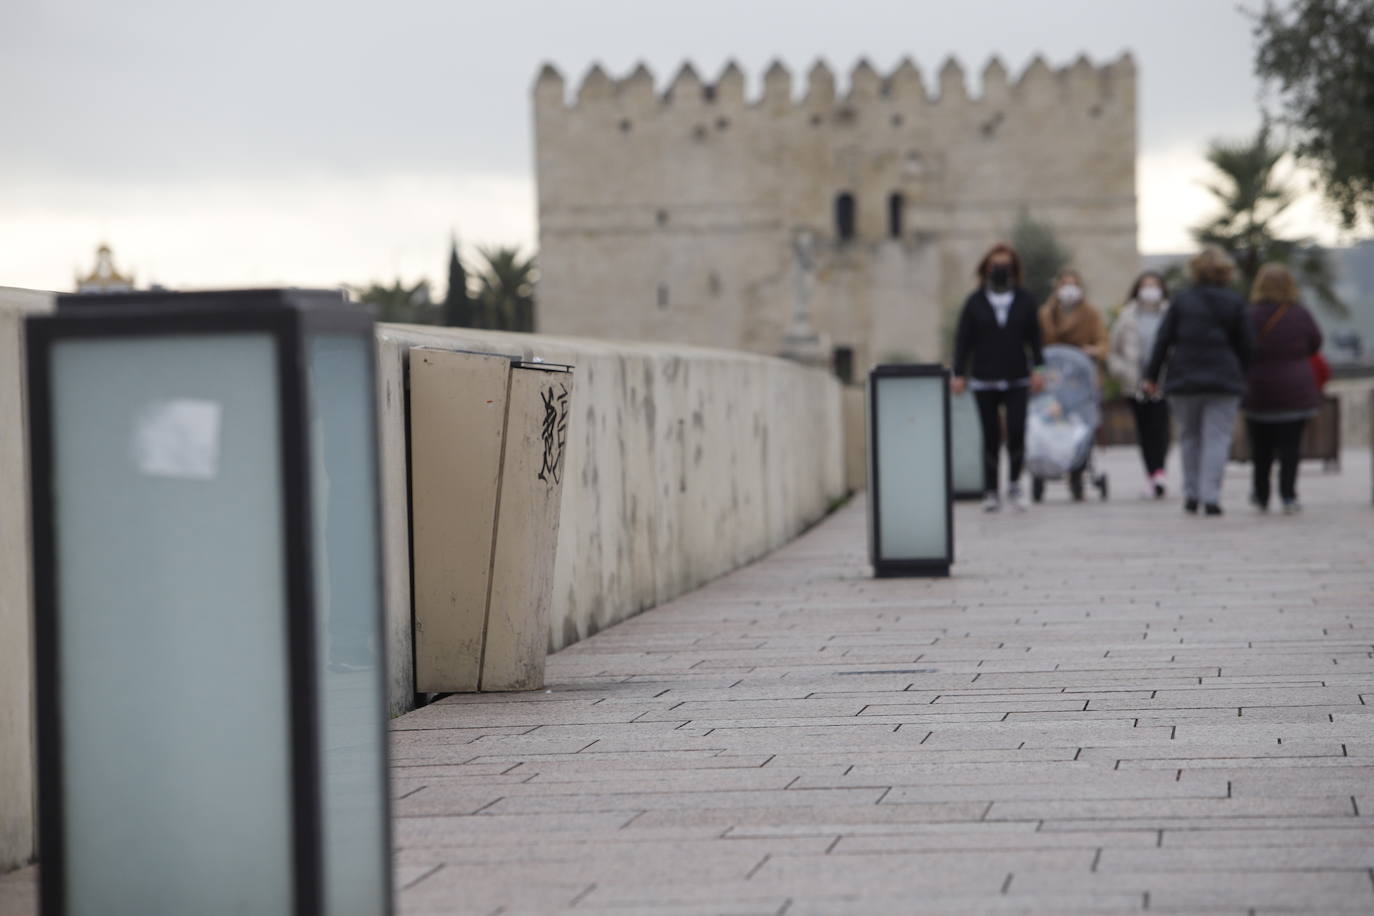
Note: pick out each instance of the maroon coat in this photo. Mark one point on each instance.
(1280, 376)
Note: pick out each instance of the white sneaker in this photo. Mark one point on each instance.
(1016, 498)
(991, 502)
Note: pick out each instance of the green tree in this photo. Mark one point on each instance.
(400, 303)
(506, 295)
(1319, 57)
(1042, 256)
(1252, 198)
(457, 308)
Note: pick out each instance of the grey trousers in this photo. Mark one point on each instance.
(1206, 423)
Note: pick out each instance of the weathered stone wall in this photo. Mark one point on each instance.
(682, 464)
(669, 216)
(16, 631)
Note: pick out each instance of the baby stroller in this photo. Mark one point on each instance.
(1062, 422)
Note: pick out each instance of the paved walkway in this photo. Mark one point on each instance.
(1109, 708)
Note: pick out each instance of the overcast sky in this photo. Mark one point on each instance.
(332, 141)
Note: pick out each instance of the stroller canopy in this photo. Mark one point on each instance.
(1071, 378)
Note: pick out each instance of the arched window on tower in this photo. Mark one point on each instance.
(896, 207)
(844, 216)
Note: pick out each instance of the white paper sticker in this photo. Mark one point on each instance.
(177, 437)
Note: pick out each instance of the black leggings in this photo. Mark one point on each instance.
(1152, 432)
(1268, 440)
(989, 413)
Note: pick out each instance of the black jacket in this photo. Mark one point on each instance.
(997, 353)
(1207, 340)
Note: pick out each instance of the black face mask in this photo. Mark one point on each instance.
(999, 277)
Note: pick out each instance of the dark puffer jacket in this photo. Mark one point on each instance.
(1207, 340)
(1281, 376)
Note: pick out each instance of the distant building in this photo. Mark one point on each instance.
(104, 278)
(698, 216)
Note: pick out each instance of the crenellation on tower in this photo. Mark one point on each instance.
(906, 85)
(1036, 78)
(996, 88)
(730, 86)
(550, 90)
(686, 90)
(596, 87)
(864, 83)
(820, 86)
(1082, 80)
(953, 84)
(777, 87)
(1038, 83)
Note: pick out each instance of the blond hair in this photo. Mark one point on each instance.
(1275, 284)
(1212, 267)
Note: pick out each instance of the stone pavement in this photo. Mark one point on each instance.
(1109, 708)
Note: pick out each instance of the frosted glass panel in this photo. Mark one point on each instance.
(349, 607)
(171, 621)
(965, 444)
(911, 468)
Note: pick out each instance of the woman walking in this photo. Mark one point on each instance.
(997, 357)
(1068, 318)
(1283, 392)
(1207, 341)
(1132, 344)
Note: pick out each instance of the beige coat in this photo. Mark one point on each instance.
(1125, 356)
(1081, 326)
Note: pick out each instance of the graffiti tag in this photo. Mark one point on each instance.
(554, 432)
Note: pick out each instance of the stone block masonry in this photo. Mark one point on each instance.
(669, 214)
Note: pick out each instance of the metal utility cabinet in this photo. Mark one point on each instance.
(488, 443)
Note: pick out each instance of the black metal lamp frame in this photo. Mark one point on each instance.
(291, 317)
(923, 566)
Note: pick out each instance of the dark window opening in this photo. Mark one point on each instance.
(842, 359)
(896, 207)
(663, 295)
(662, 217)
(844, 216)
(625, 126)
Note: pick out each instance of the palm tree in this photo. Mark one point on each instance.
(1252, 199)
(506, 294)
(400, 303)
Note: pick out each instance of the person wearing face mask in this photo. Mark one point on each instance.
(1068, 318)
(1132, 342)
(997, 356)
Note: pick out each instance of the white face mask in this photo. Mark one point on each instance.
(1150, 295)
(1070, 295)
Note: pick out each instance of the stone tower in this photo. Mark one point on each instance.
(673, 215)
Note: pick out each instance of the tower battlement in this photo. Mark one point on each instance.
(905, 84)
